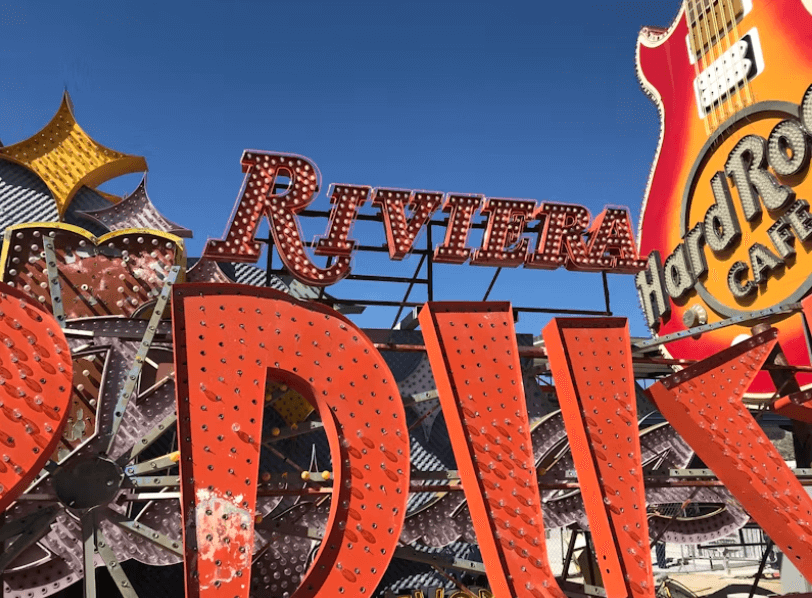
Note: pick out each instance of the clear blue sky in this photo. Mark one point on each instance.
(528, 100)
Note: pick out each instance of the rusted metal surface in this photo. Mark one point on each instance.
(35, 376)
(703, 402)
(474, 357)
(112, 275)
(207, 271)
(247, 331)
(420, 384)
(88, 367)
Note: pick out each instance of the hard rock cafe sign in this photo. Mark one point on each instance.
(726, 220)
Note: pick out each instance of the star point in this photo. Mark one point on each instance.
(65, 157)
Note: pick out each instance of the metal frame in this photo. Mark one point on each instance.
(426, 259)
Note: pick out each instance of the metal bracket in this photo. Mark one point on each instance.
(301, 429)
(420, 397)
(785, 308)
(299, 531)
(148, 439)
(594, 591)
(165, 481)
(156, 464)
(57, 307)
(134, 373)
(145, 531)
(440, 560)
(89, 553)
(113, 566)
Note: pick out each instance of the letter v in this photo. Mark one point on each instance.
(400, 231)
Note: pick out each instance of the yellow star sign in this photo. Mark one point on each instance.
(65, 157)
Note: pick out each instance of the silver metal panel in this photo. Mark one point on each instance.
(23, 196)
(135, 211)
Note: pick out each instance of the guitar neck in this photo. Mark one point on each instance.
(709, 21)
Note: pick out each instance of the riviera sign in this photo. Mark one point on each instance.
(567, 237)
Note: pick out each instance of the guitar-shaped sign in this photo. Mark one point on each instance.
(726, 216)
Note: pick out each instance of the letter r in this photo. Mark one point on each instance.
(260, 197)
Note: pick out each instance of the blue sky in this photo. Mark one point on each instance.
(533, 100)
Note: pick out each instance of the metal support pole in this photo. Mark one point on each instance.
(761, 568)
(269, 261)
(493, 282)
(606, 292)
(430, 265)
(329, 263)
(570, 552)
(89, 554)
(409, 289)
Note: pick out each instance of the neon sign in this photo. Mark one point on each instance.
(725, 219)
(567, 236)
(767, 207)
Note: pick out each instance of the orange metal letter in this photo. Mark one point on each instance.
(475, 359)
(703, 403)
(227, 340)
(592, 366)
(561, 241)
(502, 243)
(346, 200)
(35, 377)
(611, 244)
(461, 210)
(401, 232)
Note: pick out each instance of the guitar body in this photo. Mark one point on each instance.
(695, 146)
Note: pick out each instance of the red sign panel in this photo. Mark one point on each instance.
(703, 403)
(726, 216)
(35, 377)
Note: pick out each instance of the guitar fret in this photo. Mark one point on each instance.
(704, 9)
(709, 21)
